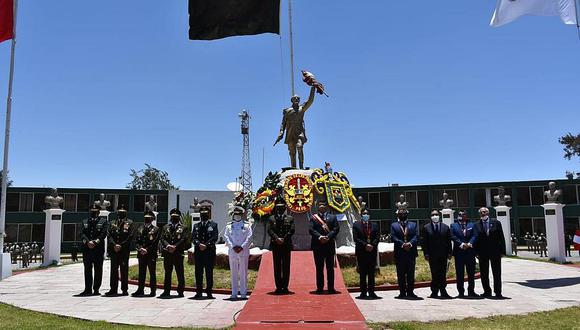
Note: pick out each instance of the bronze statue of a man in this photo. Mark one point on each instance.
(293, 125)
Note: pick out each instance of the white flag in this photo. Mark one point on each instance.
(507, 11)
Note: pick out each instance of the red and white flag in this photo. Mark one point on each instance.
(577, 240)
(6, 20)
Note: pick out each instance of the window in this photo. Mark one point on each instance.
(24, 233)
(69, 232)
(82, 202)
(385, 198)
(123, 200)
(374, 200)
(423, 199)
(26, 202)
(11, 233)
(12, 202)
(462, 198)
(537, 195)
(526, 226)
(540, 225)
(524, 196)
(38, 232)
(569, 192)
(162, 203)
(70, 202)
(138, 203)
(479, 197)
(39, 204)
(411, 197)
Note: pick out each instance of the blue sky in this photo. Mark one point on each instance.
(421, 92)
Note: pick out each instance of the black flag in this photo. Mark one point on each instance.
(216, 19)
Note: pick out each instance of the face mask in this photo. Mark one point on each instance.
(402, 218)
(435, 218)
(484, 218)
(94, 214)
(122, 215)
(237, 217)
(175, 219)
(365, 217)
(204, 216)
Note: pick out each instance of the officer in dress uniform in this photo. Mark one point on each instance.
(281, 229)
(204, 238)
(172, 243)
(324, 229)
(120, 236)
(366, 238)
(514, 240)
(405, 237)
(542, 245)
(93, 236)
(238, 237)
(147, 240)
(463, 237)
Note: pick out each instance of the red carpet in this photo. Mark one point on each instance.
(302, 309)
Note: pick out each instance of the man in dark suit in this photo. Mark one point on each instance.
(93, 234)
(172, 241)
(366, 238)
(463, 237)
(204, 238)
(405, 237)
(323, 229)
(489, 248)
(437, 250)
(147, 240)
(281, 228)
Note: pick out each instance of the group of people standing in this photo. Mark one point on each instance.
(482, 239)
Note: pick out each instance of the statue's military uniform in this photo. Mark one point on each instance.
(147, 238)
(94, 230)
(281, 226)
(173, 234)
(120, 233)
(206, 233)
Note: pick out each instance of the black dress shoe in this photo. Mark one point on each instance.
(362, 295)
(96, 293)
(125, 293)
(84, 294)
(285, 291)
(137, 294)
(445, 295)
(332, 291)
(473, 295)
(412, 295)
(401, 296)
(198, 296)
(164, 294)
(499, 296)
(111, 294)
(279, 291)
(209, 296)
(433, 295)
(373, 295)
(486, 295)
(152, 294)
(319, 291)
(180, 294)
(461, 295)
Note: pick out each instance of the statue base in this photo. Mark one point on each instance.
(448, 216)
(5, 265)
(52, 236)
(301, 238)
(555, 231)
(502, 213)
(105, 214)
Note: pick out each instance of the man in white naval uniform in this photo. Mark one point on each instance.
(238, 236)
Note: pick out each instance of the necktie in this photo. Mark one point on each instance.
(437, 227)
(485, 224)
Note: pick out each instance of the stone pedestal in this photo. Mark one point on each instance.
(553, 213)
(5, 265)
(105, 214)
(448, 216)
(301, 238)
(52, 236)
(154, 222)
(502, 213)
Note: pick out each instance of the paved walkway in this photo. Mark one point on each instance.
(301, 309)
(530, 285)
(52, 291)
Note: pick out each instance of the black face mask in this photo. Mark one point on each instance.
(175, 220)
(403, 217)
(280, 210)
(122, 215)
(94, 214)
(204, 216)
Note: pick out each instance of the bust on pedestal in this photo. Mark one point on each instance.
(554, 216)
(151, 205)
(103, 204)
(52, 229)
(447, 213)
(502, 212)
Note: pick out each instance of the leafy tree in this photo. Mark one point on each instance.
(150, 178)
(571, 145)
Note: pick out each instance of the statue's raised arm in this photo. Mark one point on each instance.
(310, 100)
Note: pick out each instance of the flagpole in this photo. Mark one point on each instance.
(576, 12)
(291, 40)
(7, 132)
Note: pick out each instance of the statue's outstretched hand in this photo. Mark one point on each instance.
(278, 139)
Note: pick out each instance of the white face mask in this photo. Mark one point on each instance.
(485, 217)
(237, 217)
(365, 217)
(435, 218)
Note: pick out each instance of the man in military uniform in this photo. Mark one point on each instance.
(93, 236)
(238, 236)
(74, 252)
(535, 246)
(119, 240)
(568, 242)
(173, 243)
(281, 228)
(147, 240)
(514, 245)
(528, 239)
(542, 245)
(324, 229)
(204, 237)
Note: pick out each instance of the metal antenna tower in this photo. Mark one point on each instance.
(246, 177)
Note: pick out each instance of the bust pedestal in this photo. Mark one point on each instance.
(301, 238)
(52, 236)
(5, 265)
(448, 216)
(154, 222)
(503, 216)
(105, 214)
(554, 216)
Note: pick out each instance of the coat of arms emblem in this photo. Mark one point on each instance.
(298, 193)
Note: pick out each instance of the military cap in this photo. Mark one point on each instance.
(239, 210)
(205, 208)
(175, 212)
(280, 201)
(121, 208)
(149, 214)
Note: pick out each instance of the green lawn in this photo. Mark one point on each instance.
(388, 273)
(561, 319)
(17, 318)
(221, 277)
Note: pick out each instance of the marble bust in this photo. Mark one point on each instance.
(446, 202)
(53, 200)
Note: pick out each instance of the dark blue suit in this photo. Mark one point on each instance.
(464, 259)
(324, 253)
(405, 260)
